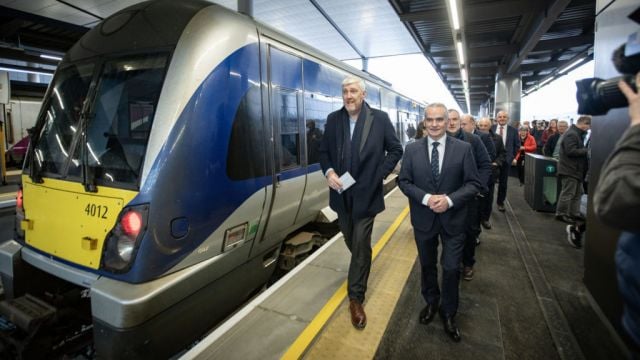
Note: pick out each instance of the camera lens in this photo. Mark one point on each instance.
(596, 96)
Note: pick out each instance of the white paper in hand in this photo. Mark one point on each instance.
(347, 181)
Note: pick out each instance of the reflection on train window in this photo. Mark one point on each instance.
(286, 113)
(62, 119)
(246, 156)
(117, 135)
(316, 109)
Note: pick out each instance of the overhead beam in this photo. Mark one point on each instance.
(15, 54)
(564, 43)
(540, 26)
(479, 12)
(338, 29)
(544, 65)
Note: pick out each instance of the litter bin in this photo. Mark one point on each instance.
(541, 183)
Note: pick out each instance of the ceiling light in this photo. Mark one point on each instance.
(463, 73)
(51, 57)
(460, 52)
(572, 65)
(454, 14)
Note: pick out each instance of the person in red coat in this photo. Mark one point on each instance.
(528, 146)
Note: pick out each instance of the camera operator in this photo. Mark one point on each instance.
(617, 204)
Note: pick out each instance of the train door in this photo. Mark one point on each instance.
(285, 88)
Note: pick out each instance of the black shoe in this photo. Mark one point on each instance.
(574, 237)
(564, 218)
(578, 217)
(486, 224)
(428, 313)
(501, 208)
(451, 328)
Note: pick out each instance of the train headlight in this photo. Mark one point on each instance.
(123, 241)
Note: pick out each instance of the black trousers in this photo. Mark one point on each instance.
(452, 245)
(357, 237)
(520, 165)
(472, 231)
(485, 203)
(502, 182)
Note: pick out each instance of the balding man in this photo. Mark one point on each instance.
(486, 203)
(511, 142)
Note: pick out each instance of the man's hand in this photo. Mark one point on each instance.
(438, 203)
(333, 180)
(633, 98)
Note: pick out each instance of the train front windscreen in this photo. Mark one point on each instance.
(97, 120)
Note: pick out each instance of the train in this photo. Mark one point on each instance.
(175, 150)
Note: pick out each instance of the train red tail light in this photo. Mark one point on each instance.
(131, 223)
(121, 244)
(19, 199)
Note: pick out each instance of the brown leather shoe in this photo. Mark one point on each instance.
(358, 317)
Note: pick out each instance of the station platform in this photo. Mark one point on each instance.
(527, 300)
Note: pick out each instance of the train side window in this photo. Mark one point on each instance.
(286, 113)
(316, 109)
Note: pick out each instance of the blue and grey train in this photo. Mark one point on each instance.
(175, 149)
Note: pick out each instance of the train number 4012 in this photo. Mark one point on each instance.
(99, 211)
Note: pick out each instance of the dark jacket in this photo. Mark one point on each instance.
(617, 204)
(501, 152)
(375, 152)
(513, 142)
(459, 180)
(488, 143)
(551, 144)
(480, 155)
(573, 154)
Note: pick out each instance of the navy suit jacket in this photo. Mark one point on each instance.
(513, 141)
(459, 180)
(379, 150)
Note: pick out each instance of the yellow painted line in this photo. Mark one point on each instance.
(299, 346)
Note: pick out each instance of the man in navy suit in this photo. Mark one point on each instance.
(511, 142)
(360, 141)
(439, 176)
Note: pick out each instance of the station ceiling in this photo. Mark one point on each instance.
(538, 39)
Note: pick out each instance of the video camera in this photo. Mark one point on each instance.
(596, 96)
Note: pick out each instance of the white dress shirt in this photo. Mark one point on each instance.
(441, 149)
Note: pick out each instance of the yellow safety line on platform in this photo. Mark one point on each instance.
(299, 346)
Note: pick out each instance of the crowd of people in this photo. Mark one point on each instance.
(449, 174)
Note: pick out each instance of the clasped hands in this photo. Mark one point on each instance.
(438, 203)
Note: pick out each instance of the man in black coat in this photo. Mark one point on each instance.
(439, 176)
(483, 162)
(511, 141)
(571, 169)
(362, 142)
(486, 204)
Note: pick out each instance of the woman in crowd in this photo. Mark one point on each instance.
(528, 146)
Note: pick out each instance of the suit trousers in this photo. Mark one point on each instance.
(570, 194)
(357, 237)
(452, 245)
(486, 203)
(502, 183)
(472, 231)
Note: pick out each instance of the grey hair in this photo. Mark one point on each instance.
(473, 120)
(438, 105)
(354, 80)
(523, 128)
(565, 122)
